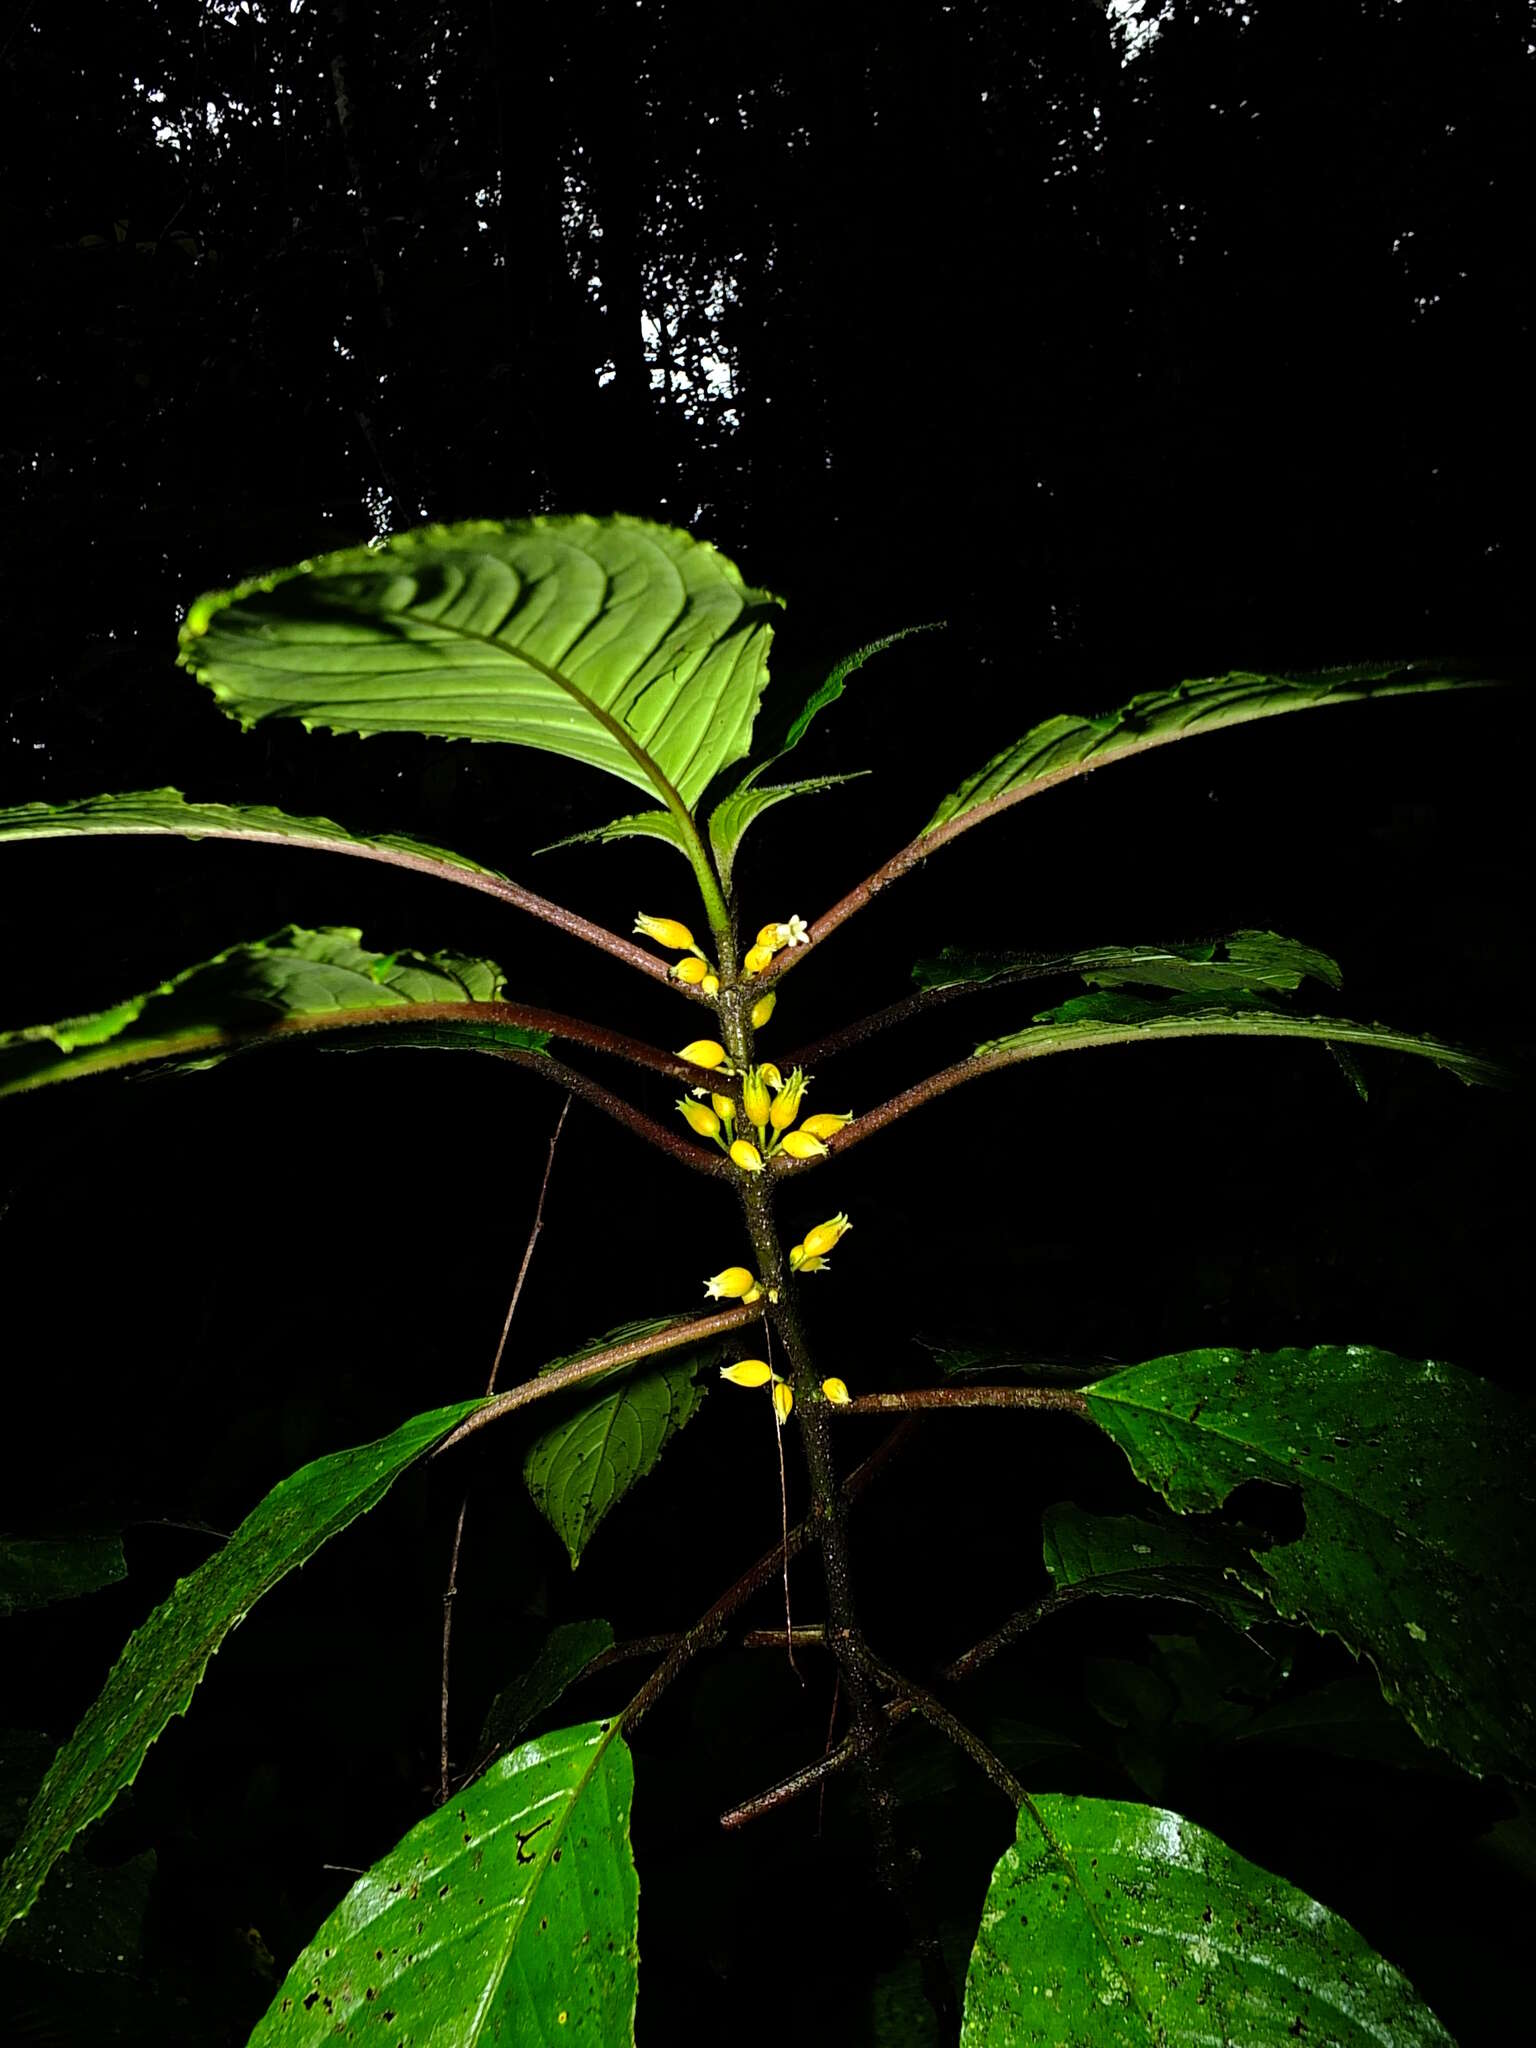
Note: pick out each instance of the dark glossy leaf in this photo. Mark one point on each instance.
(1126, 1926)
(1415, 1481)
(165, 1659)
(36, 1570)
(563, 1655)
(579, 1470)
(624, 645)
(1128, 1556)
(1241, 960)
(259, 991)
(508, 1916)
(1111, 1018)
(1065, 746)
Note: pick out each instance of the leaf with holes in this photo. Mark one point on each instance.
(582, 1468)
(1129, 1556)
(1071, 745)
(1415, 1480)
(507, 1916)
(165, 1659)
(264, 991)
(630, 647)
(1241, 960)
(1129, 1927)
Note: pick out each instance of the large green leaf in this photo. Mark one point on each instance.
(1241, 960)
(295, 979)
(1127, 1926)
(1415, 1478)
(508, 1916)
(165, 1659)
(1065, 746)
(582, 1468)
(1140, 1559)
(144, 812)
(1111, 1018)
(36, 1570)
(624, 645)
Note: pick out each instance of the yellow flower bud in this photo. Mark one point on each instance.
(725, 1109)
(691, 970)
(783, 1400)
(746, 1156)
(786, 1104)
(763, 1010)
(771, 1074)
(801, 1145)
(825, 1235)
(726, 1286)
(702, 1052)
(755, 1097)
(826, 1123)
(759, 958)
(791, 934)
(796, 1254)
(752, 1372)
(666, 931)
(836, 1392)
(700, 1117)
(753, 1293)
(810, 1264)
(710, 984)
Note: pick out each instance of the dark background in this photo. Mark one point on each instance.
(1136, 346)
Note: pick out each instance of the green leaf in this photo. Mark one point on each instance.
(36, 1570)
(1131, 1556)
(1070, 745)
(563, 1655)
(639, 825)
(143, 812)
(259, 990)
(729, 820)
(746, 803)
(627, 646)
(1414, 1477)
(1128, 1926)
(1110, 1018)
(165, 1659)
(507, 1916)
(1346, 1717)
(583, 1467)
(1241, 960)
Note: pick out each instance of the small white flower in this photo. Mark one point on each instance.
(795, 933)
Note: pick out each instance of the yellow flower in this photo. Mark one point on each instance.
(810, 1264)
(753, 1293)
(801, 1145)
(700, 1117)
(755, 1097)
(783, 1400)
(794, 933)
(757, 959)
(726, 1286)
(725, 1109)
(786, 1104)
(666, 931)
(826, 1235)
(710, 984)
(771, 1074)
(703, 1052)
(691, 970)
(752, 1372)
(826, 1123)
(746, 1156)
(763, 1010)
(836, 1392)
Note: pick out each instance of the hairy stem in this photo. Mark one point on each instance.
(1063, 1400)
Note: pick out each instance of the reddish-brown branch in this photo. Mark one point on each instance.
(1063, 1400)
(971, 1661)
